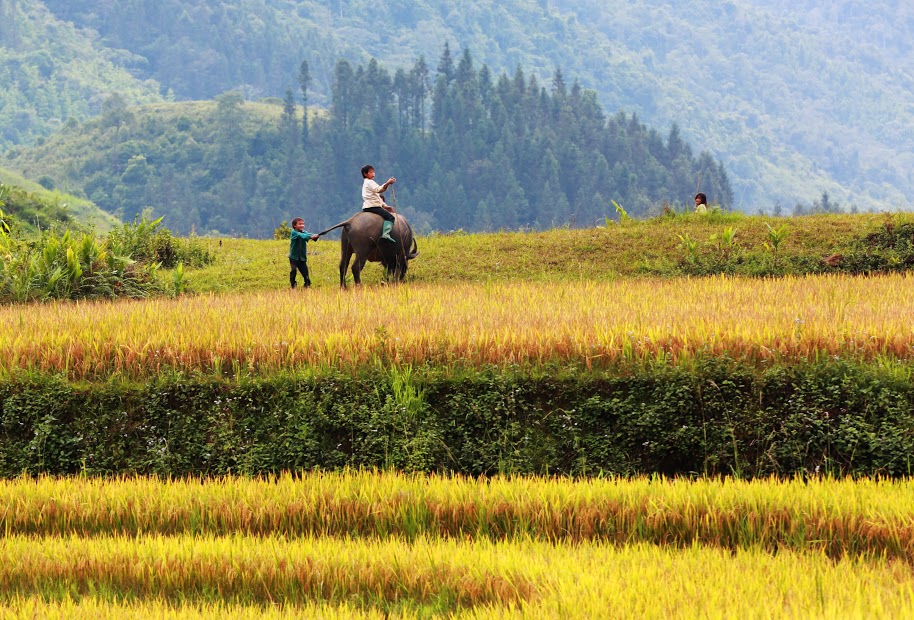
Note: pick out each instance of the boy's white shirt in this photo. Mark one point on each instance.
(371, 194)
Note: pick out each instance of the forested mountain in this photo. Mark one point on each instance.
(51, 71)
(794, 97)
(470, 149)
(790, 93)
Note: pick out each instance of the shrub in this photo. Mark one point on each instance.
(891, 248)
(282, 232)
(70, 266)
(718, 417)
(147, 241)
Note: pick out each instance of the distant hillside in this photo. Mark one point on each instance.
(495, 152)
(51, 71)
(795, 98)
(34, 206)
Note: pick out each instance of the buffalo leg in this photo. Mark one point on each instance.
(357, 270)
(345, 257)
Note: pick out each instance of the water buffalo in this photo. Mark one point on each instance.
(361, 235)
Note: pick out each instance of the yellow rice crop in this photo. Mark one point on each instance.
(837, 517)
(265, 570)
(32, 608)
(585, 323)
(528, 579)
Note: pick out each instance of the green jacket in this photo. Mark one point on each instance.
(297, 243)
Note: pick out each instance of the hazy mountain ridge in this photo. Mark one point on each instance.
(52, 71)
(794, 97)
(831, 101)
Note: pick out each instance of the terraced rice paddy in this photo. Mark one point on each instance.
(585, 324)
(367, 544)
(376, 545)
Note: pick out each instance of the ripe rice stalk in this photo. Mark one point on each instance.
(525, 579)
(95, 608)
(866, 518)
(589, 324)
(261, 570)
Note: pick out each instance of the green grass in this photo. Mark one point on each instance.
(637, 248)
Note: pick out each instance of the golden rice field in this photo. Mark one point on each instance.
(372, 545)
(583, 323)
(834, 517)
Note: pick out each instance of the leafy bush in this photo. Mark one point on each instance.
(77, 265)
(70, 266)
(282, 232)
(891, 248)
(147, 241)
(718, 417)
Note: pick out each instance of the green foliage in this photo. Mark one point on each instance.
(715, 418)
(50, 207)
(776, 238)
(68, 266)
(624, 217)
(30, 211)
(888, 248)
(891, 248)
(803, 106)
(178, 281)
(4, 224)
(691, 246)
(52, 70)
(723, 254)
(54, 265)
(806, 73)
(282, 232)
(147, 241)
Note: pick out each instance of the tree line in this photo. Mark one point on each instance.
(471, 151)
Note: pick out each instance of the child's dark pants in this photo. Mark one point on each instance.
(302, 267)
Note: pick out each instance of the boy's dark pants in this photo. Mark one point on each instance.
(387, 215)
(302, 267)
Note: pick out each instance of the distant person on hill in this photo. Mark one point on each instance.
(298, 253)
(701, 203)
(373, 202)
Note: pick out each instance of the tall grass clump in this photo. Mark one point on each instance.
(147, 241)
(70, 266)
(77, 265)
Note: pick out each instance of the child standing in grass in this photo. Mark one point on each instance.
(298, 253)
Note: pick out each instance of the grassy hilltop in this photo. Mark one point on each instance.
(655, 247)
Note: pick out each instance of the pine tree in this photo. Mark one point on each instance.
(343, 95)
(304, 82)
(446, 64)
(419, 83)
(290, 137)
